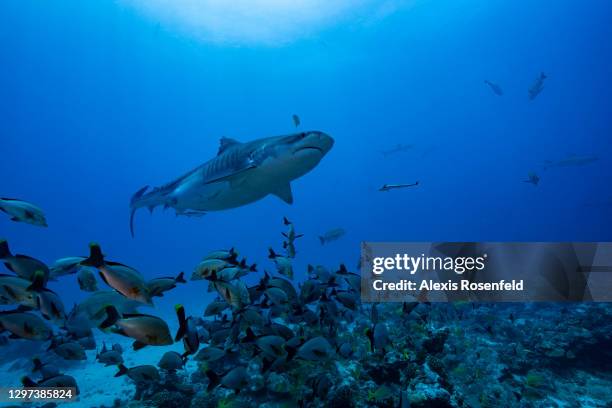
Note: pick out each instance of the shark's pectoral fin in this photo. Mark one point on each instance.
(284, 193)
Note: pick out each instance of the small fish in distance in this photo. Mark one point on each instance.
(537, 86)
(494, 87)
(389, 187)
(532, 178)
(331, 235)
(570, 161)
(399, 148)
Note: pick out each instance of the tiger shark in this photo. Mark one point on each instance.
(240, 174)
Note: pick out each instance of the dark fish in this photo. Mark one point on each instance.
(87, 280)
(315, 349)
(124, 279)
(144, 329)
(332, 235)
(24, 325)
(235, 379)
(215, 308)
(389, 187)
(65, 266)
(494, 87)
(289, 248)
(407, 308)
(158, 286)
(230, 256)
(233, 272)
(272, 346)
(532, 178)
(210, 354)
(171, 361)
(22, 265)
(277, 296)
(374, 313)
(399, 148)
(571, 160)
(139, 374)
(235, 294)
(46, 370)
(290, 234)
(283, 263)
(92, 310)
(345, 350)
(88, 342)
(379, 337)
(537, 86)
(59, 381)
(70, 351)
(23, 211)
(16, 290)
(220, 336)
(187, 331)
(208, 267)
(296, 120)
(109, 357)
(347, 299)
(78, 325)
(251, 317)
(310, 291)
(48, 302)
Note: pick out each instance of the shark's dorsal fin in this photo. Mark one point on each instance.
(225, 143)
(284, 193)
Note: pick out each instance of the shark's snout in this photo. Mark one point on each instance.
(315, 140)
(326, 142)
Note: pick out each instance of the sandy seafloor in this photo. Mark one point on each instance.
(97, 384)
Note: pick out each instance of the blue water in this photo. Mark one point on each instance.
(98, 99)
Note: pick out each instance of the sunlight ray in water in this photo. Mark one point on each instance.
(263, 22)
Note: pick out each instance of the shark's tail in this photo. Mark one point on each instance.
(134, 207)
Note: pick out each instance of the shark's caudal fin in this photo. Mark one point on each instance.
(133, 208)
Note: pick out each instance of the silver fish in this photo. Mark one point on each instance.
(23, 211)
(332, 235)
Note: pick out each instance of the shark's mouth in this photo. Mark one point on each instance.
(308, 148)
